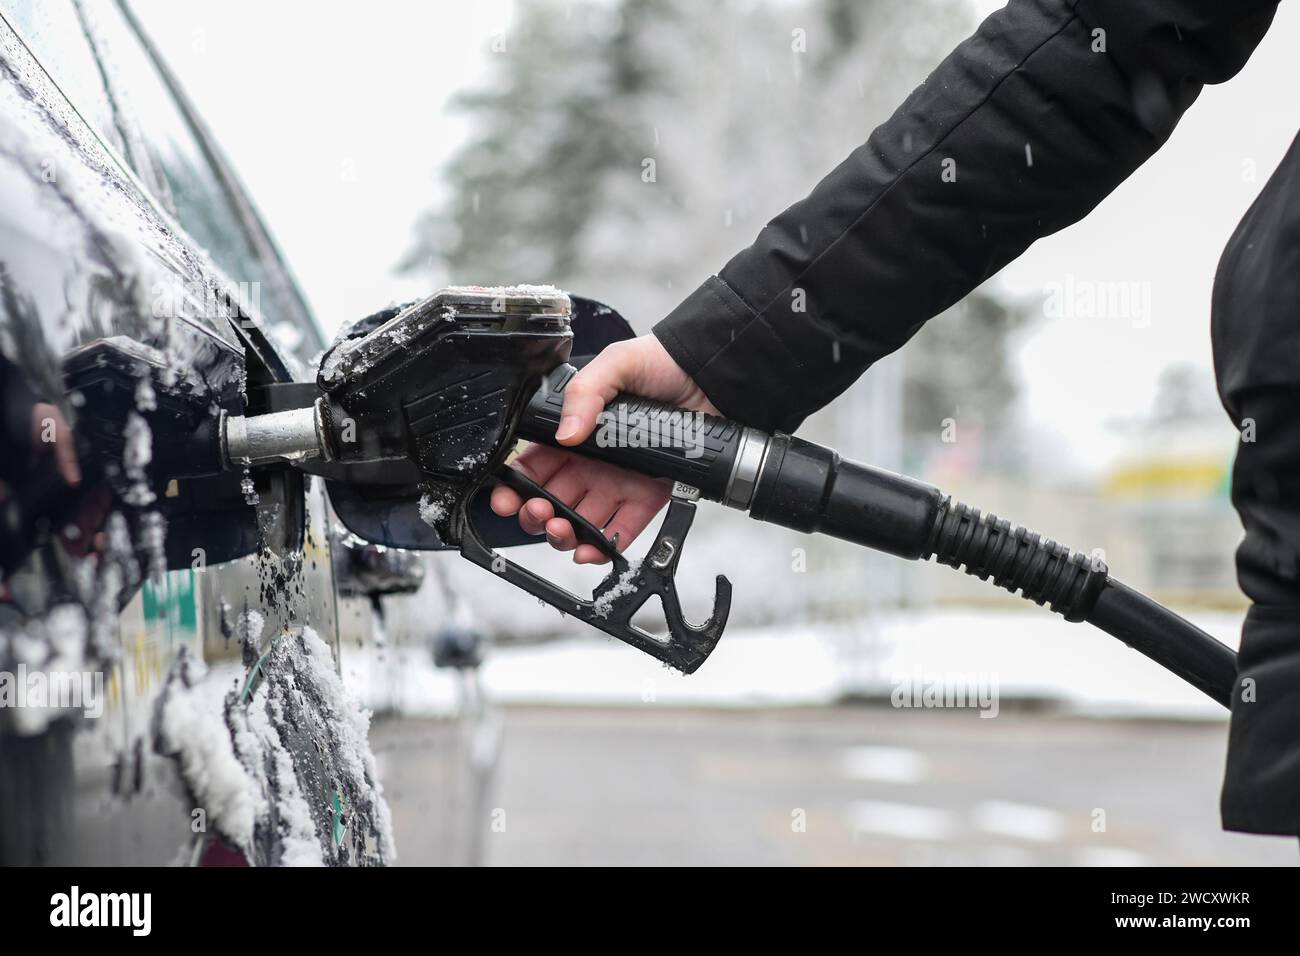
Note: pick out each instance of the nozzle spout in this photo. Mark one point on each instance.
(297, 434)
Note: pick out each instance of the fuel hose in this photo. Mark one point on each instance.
(807, 487)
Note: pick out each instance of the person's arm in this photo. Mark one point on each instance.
(1021, 131)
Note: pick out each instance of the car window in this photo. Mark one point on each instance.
(209, 205)
(190, 187)
(55, 33)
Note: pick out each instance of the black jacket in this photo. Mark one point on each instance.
(943, 195)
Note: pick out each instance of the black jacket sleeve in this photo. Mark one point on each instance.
(1021, 131)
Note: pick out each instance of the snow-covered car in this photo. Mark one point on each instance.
(171, 640)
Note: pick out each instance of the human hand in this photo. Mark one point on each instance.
(619, 501)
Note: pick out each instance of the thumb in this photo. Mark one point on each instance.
(588, 392)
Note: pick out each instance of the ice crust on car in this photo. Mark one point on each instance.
(234, 736)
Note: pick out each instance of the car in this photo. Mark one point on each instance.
(171, 635)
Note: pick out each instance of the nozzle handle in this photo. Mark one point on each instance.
(720, 457)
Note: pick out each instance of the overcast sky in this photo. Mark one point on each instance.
(335, 118)
(1166, 225)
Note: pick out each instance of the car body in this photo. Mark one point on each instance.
(137, 282)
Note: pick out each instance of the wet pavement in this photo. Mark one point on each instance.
(846, 785)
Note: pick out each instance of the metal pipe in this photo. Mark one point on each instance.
(294, 435)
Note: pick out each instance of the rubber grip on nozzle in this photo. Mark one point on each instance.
(649, 437)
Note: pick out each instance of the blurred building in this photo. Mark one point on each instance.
(1160, 510)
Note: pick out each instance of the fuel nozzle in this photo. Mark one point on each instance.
(433, 387)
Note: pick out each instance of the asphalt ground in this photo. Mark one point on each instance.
(840, 785)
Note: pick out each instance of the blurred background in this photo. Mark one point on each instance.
(397, 147)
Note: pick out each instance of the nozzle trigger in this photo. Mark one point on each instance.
(627, 587)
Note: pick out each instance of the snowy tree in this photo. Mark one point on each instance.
(628, 149)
